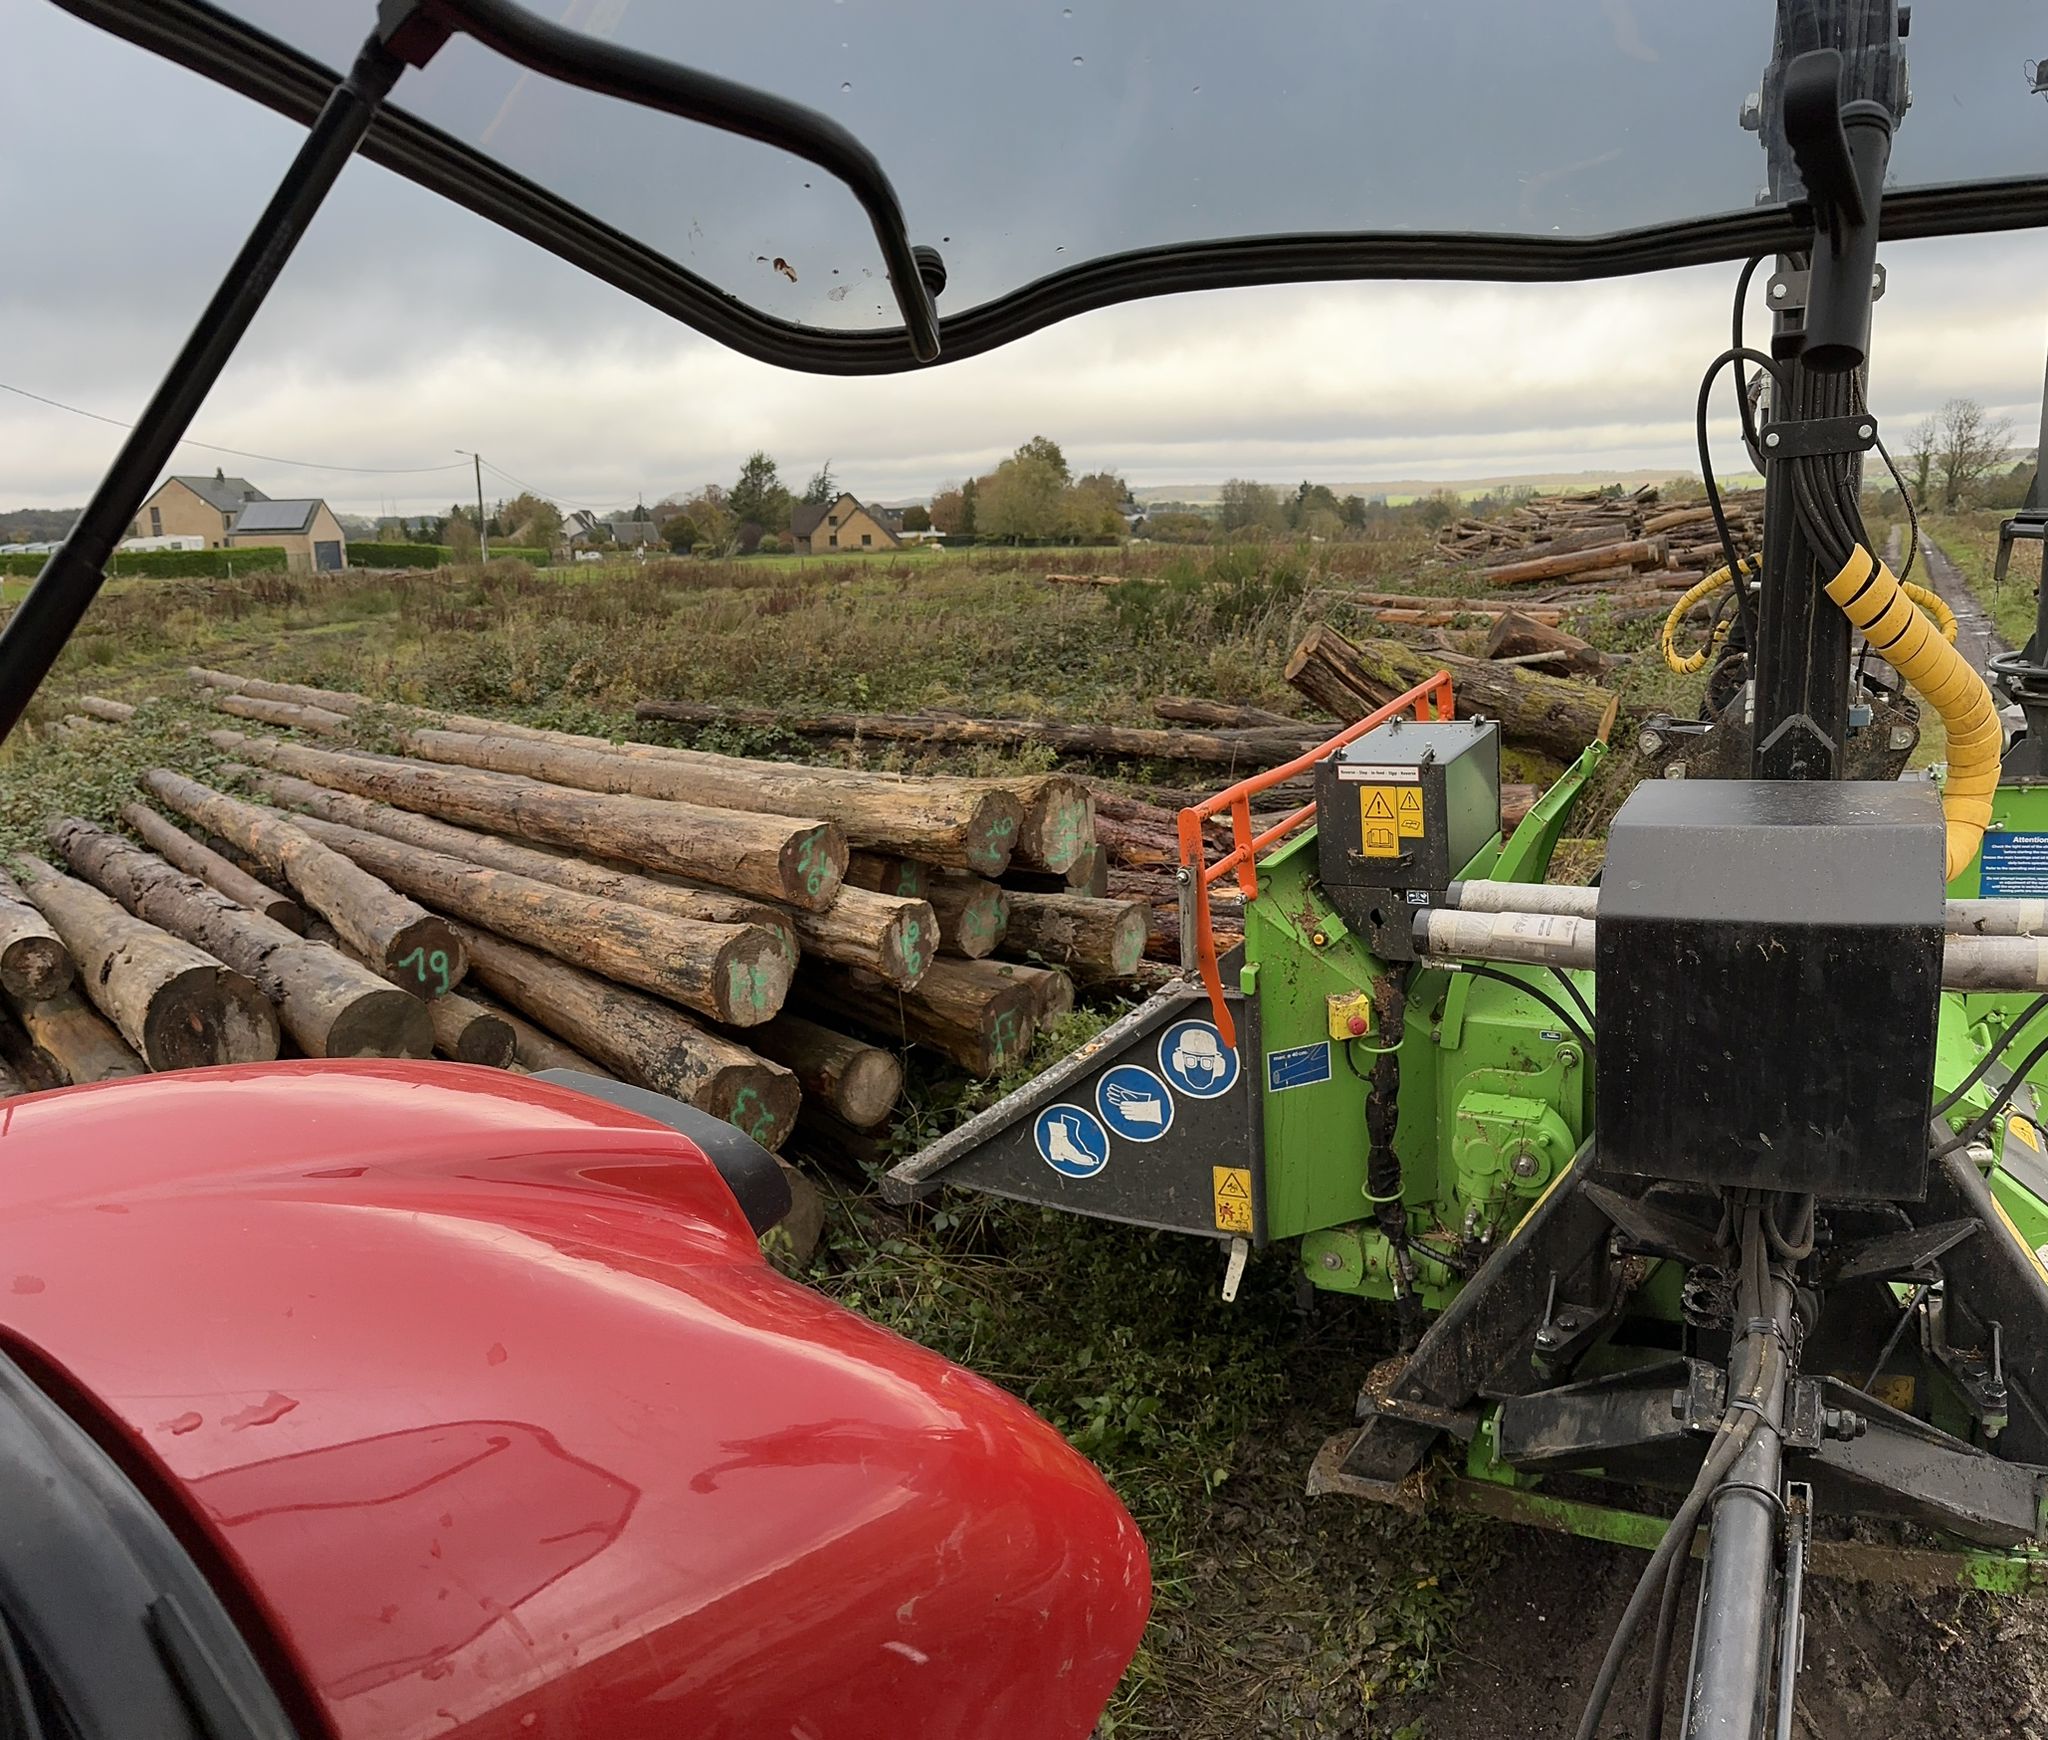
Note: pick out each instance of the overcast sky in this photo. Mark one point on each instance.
(406, 328)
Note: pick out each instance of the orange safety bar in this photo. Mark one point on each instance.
(1429, 699)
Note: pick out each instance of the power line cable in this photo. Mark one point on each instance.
(236, 452)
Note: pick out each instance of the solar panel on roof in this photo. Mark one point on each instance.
(275, 516)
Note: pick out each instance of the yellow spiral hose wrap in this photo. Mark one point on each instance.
(1900, 633)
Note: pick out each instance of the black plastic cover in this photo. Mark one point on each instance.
(1769, 967)
(751, 1173)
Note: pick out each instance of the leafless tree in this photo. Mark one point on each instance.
(1967, 445)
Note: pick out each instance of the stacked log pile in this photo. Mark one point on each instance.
(757, 938)
(1631, 547)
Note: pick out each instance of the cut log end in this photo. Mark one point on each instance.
(758, 1099)
(752, 977)
(208, 1015)
(869, 1086)
(33, 968)
(382, 1023)
(813, 864)
(1058, 826)
(426, 958)
(992, 836)
(467, 1032)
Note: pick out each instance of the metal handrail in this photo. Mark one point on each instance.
(1429, 699)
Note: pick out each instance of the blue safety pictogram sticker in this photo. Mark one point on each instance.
(1071, 1140)
(1134, 1103)
(1193, 1057)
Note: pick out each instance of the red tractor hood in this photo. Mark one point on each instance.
(481, 1406)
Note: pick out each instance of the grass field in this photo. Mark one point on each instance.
(1275, 1614)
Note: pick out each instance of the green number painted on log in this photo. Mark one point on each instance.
(751, 1117)
(913, 955)
(811, 865)
(909, 883)
(747, 986)
(429, 968)
(1002, 827)
(1005, 1035)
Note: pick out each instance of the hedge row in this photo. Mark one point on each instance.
(367, 555)
(170, 564)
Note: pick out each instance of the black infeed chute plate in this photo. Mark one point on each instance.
(221, 47)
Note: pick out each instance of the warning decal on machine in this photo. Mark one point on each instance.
(1298, 1066)
(1379, 830)
(1408, 805)
(2015, 866)
(1233, 1186)
(1353, 772)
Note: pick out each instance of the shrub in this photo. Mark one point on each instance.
(372, 555)
(170, 564)
(770, 545)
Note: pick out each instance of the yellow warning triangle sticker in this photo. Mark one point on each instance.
(1379, 809)
(1410, 801)
(1233, 1183)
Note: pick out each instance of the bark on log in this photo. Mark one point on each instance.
(1051, 988)
(72, 1039)
(1088, 875)
(296, 716)
(1093, 939)
(469, 1033)
(734, 973)
(1557, 715)
(941, 821)
(795, 863)
(973, 915)
(112, 712)
(1221, 715)
(173, 844)
(33, 959)
(1481, 607)
(857, 1082)
(1637, 553)
(1519, 636)
(980, 1016)
(638, 1038)
(176, 1005)
(330, 1005)
(12, 1085)
(1247, 750)
(678, 900)
(881, 873)
(534, 1048)
(399, 935)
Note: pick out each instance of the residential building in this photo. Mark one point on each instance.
(629, 532)
(844, 524)
(310, 536)
(195, 507)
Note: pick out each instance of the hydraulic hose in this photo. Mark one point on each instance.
(1870, 595)
(1685, 664)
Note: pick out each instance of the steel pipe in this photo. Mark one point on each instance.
(1972, 962)
(1562, 899)
(1539, 939)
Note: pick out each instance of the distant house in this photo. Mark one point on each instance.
(195, 507)
(310, 536)
(844, 524)
(583, 528)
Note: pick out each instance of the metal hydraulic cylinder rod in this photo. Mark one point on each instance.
(1568, 900)
(1563, 899)
(1969, 962)
(1540, 939)
(1735, 1640)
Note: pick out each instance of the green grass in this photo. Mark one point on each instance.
(1970, 541)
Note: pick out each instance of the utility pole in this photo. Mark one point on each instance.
(483, 538)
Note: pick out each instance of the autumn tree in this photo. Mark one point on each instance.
(531, 520)
(949, 512)
(917, 519)
(1967, 444)
(1021, 498)
(1047, 451)
(1250, 507)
